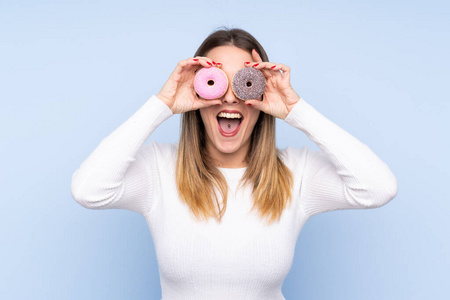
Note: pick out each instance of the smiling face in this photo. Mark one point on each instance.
(229, 126)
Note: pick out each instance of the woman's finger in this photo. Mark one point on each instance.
(209, 62)
(275, 70)
(272, 69)
(205, 63)
(195, 62)
(202, 62)
(256, 56)
(263, 66)
(261, 105)
(267, 66)
(200, 103)
(285, 69)
(258, 64)
(186, 64)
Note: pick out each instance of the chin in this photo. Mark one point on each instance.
(228, 147)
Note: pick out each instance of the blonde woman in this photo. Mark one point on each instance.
(225, 208)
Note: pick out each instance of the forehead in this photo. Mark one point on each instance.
(231, 57)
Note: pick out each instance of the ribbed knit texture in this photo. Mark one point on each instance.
(241, 258)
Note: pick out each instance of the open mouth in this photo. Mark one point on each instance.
(229, 122)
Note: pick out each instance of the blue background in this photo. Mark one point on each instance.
(71, 72)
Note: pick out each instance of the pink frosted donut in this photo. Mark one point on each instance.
(210, 83)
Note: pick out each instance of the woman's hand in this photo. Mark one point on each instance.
(279, 97)
(178, 92)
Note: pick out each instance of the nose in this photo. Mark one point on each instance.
(230, 97)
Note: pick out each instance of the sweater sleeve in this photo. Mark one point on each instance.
(119, 173)
(346, 174)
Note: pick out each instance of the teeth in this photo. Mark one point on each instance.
(230, 115)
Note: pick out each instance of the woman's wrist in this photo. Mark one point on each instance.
(165, 100)
(292, 98)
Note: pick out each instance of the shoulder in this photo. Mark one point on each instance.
(304, 159)
(296, 158)
(160, 151)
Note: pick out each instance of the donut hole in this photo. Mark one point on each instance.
(249, 84)
(211, 82)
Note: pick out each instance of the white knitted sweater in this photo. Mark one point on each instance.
(241, 258)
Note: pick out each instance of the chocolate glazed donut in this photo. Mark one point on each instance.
(248, 83)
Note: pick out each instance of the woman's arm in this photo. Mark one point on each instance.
(346, 174)
(119, 173)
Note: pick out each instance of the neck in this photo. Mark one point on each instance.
(228, 160)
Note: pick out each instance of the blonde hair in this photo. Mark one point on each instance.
(200, 182)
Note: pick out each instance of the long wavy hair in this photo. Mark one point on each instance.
(201, 184)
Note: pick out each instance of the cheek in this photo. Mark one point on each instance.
(208, 119)
(254, 115)
(205, 114)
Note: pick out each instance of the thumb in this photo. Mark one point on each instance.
(201, 103)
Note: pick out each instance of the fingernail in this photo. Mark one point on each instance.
(209, 63)
(273, 67)
(255, 65)
(248, 103)
(195, 59)
(247, 62)
(214, 62)
(219, 64)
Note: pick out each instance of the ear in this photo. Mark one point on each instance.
(256, 56)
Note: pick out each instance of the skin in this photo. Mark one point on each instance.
(278, 99)
(229, 152)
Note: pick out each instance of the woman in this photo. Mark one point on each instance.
(225, 207)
